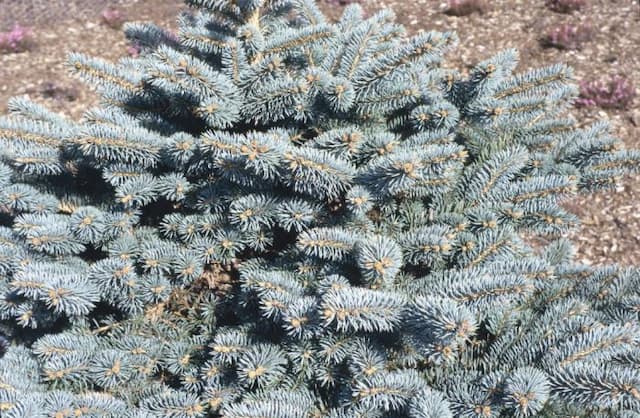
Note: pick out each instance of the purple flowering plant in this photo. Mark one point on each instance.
(568, 36)
(18, 39)
(114, 18)
(615, 93)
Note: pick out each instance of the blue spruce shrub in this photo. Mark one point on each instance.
(274, 215)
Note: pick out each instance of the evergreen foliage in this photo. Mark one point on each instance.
(275, 215)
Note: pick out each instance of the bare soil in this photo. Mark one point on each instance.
(610, 231)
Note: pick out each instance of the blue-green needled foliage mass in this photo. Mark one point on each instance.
(271, 214)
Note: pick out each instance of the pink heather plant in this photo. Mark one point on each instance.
(565, 6)
(567, 36)
(114, 18)
(465, 7)
(134, 49)
(18, 39)
(616, 93)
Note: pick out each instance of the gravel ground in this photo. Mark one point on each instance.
(610, 231)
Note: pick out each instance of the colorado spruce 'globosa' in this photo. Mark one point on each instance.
(274, 215)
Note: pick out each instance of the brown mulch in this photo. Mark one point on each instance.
(610, 231)
(42, 72)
